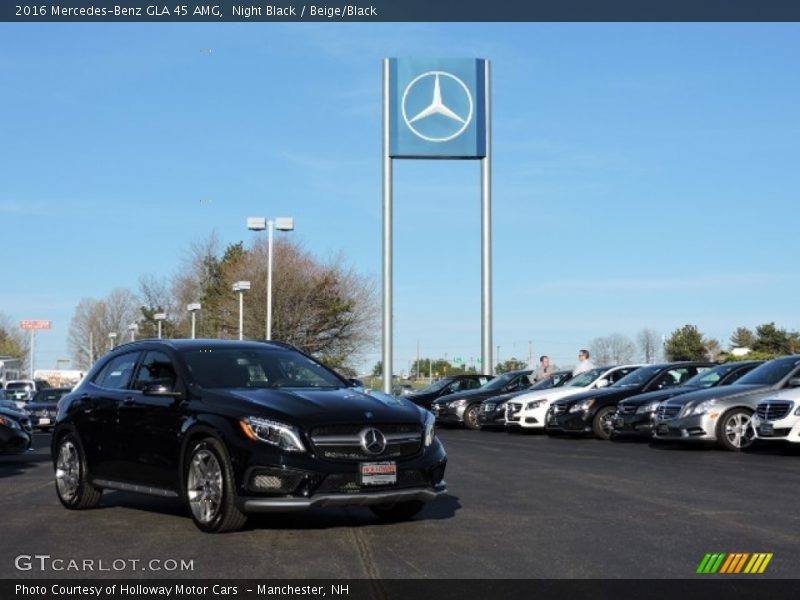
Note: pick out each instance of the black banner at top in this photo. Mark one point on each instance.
(124, 11)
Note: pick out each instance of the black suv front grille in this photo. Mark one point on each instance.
(773, 410)
(558, 409)
(349, 483)
(343, 442)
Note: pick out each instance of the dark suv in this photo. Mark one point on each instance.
(237, 427)
(445, 386)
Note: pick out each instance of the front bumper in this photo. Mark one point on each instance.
(640, 425)
(495, 419)
(270, 480)
(577, 422)
(692, 427)
(445, 414)
(779, 430)
(14, 441)
(255, 505)
(527, 419)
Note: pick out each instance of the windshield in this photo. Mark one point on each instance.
(710, 377)
(499, 382)
(639, 377)
(770, 373)
(257, 368)
(18, 385)
(435, 386)
(586, 378)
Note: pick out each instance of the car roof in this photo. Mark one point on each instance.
(188, 344)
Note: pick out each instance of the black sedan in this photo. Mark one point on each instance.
(635, 415)
(492, 414)
(446, 386)
(464, 407)
(591, 412)
(15, 431)
(43, 408)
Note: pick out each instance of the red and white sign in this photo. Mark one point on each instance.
(35, 324)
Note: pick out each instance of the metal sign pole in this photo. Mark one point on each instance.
(387, 238)
(486, 236)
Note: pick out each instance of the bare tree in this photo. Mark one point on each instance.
(649, 342)
(93, 321)
(14, 341)
(613, 349)
(713, 349)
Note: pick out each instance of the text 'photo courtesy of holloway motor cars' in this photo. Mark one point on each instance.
(235, 428)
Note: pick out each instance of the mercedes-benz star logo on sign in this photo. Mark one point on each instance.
(437, 106)
(373, 441)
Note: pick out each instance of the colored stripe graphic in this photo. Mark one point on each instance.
(735, 563)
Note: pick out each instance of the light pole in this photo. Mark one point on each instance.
(159, 317)
(241, 286)
(260, 224)
(193, 308)
(112, 339)
(133, 328)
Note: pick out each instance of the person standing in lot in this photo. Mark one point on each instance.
(585, 363)
(545, 369)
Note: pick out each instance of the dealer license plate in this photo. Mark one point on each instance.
(662, 429)
(44, 421)
(766, 429)
(379, 473)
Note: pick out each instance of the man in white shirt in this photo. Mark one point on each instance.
(585, 363)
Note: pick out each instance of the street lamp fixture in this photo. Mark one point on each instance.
(159, 317)
(241, 287)
(260, 224)
(133, 328)
(193, 308)
(112, 339)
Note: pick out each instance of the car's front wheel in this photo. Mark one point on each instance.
(72, 481)
(471, 417)
(602, 424)
(399, 511)
(734, 431)
(210, 488)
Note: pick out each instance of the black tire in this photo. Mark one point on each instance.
(72, 480)
(601, 424)
(209, 488)
(734, 431)
(471, 416)
(399, 511)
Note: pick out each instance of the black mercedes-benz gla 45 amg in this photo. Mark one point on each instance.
(236, 427)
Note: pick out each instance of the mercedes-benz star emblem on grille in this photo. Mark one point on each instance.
(373, 441)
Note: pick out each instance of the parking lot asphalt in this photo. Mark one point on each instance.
(520, 506)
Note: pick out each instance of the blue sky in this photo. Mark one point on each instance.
(643, 173)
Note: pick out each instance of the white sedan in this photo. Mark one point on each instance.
(528, 410)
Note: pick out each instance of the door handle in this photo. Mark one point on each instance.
(127, 401)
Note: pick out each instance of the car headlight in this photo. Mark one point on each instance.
(535, 404)
(430, 430)
(582, 406)
(457, 403)
(702, 407)
(9, 423)
(647, 408)
(283, 436)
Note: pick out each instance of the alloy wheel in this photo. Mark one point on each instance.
(204, 486)
(68, 471)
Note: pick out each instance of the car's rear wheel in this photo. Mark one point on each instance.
(471, 417)
(399, 511)
(210, 488)
(72, 482)
(734, 431)
(602, 423)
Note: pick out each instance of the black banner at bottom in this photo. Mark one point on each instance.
(730, 588)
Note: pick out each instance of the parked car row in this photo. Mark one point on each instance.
(732, 404)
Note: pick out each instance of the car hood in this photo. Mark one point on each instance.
(658, 395)
(554, 394)
(726, 391)
(31, 406)
(16, 414)
(305, 406)
(605, 393)
(504, 397)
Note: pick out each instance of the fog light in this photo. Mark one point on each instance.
(267, 482)
(273, 481)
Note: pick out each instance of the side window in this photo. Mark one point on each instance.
(617, 375)
(117, 374)
(735, 375)
(156, 368)
(470, 384)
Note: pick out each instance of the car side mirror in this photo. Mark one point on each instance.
(601, 383)
(794, 382)
(356, 382)
(162, 388)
